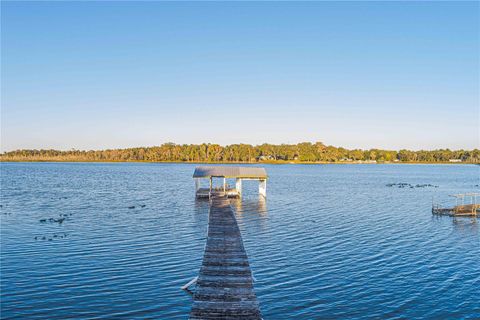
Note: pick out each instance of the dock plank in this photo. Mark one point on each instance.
(224, 288)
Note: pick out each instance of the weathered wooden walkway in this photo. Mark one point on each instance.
(224, 288)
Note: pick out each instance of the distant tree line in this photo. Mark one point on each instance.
(301, 152)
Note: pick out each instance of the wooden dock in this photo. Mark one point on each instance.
(460, 209)
(466, 210)
(224, 288)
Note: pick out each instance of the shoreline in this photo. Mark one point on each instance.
(240, 162)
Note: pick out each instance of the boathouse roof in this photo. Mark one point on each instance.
(230, 172)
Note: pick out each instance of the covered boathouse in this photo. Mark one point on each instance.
(228, 172)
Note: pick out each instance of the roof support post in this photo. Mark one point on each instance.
(210, 190)
(262, 188)
(197, 186)
(224, 186)
(238, 186)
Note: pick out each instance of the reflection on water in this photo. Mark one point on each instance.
(466, 224)
(240, 205)
(330, 241)
(257, 206)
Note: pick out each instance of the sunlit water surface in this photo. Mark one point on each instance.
(331, 241)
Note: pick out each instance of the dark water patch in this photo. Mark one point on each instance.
(411, 186)
(53, 220)
(52, 236)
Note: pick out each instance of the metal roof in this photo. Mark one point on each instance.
(230, 172)
(463, 195)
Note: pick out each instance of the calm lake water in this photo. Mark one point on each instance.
(331, 241)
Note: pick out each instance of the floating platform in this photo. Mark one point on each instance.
(460, 209)
(224, 287)
(467, 210)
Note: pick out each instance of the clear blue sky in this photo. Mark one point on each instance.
(96, 75)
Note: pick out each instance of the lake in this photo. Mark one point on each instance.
(330, 241)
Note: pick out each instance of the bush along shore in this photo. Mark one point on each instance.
(305, 152)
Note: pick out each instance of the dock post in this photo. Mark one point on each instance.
(210, 190)
(197, 186)
(238, 186)
(262, 188)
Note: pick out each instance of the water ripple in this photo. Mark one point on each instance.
(329, 242)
